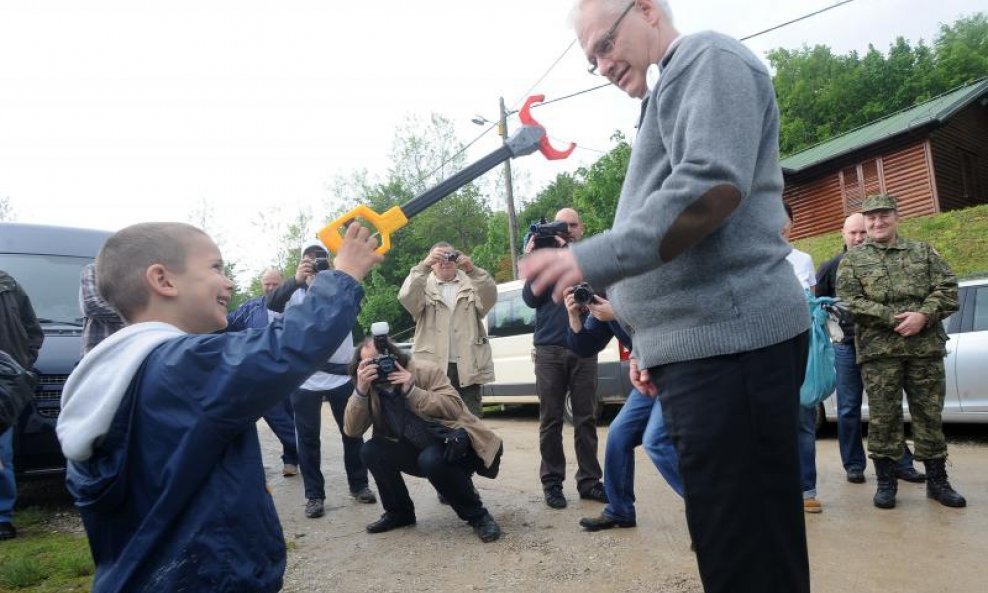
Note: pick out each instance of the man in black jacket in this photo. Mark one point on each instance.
(20, 337)
(559, 371)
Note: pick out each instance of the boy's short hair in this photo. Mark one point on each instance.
(127, 254)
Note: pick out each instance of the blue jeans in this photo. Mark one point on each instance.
(806, 438)
(8, 487)
(850, 389)
(281, 419)
(639, 422)
(308, 422)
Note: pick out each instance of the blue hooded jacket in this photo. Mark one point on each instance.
(172, 493)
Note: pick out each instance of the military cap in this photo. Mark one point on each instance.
(878, 202)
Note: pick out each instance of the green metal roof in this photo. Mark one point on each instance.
(936, 110)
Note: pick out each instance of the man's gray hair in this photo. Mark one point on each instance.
(616, 7)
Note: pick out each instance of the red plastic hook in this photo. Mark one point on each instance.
(545, 148)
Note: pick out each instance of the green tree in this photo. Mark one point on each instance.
(962, 50)
(424, 153)
(821, 94)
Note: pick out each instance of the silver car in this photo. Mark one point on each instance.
(966, 364)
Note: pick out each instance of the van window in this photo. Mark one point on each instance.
(510, 316)
(51, 282)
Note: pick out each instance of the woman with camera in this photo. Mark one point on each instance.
(421, 428)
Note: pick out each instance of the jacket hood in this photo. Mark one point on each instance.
(96, 387)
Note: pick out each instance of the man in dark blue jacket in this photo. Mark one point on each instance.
(158, 421)
(254, 314)
(558, 373)
(639, 422)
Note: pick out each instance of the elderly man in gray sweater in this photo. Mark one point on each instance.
(696, 271)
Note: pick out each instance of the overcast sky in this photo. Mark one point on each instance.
(118, 112)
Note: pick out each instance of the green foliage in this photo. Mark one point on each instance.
(960, 236)
(239, 295)
(593, 191)
(493, 255)
(821, 94)
(424, 154)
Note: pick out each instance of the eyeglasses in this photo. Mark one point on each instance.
(606, 43)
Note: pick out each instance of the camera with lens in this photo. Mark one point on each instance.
(544, 233)
(451, 256)
(386, 361)
(583, 294)
(321, 264)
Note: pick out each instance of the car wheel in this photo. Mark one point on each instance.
(568, 410)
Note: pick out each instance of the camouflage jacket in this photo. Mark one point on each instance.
(880, 281)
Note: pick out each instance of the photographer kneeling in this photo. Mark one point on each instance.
(421, 428)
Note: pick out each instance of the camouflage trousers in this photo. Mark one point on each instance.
(925, 386)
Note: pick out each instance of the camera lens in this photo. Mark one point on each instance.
(583, 294)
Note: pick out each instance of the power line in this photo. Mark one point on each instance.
(796, 20)
(458, 153)
(606, 84)
(544, 74)
(746, 38)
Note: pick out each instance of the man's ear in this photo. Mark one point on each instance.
(159, 280)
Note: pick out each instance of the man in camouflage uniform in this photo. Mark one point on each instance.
(900, 291)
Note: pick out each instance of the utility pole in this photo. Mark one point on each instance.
(512, 221)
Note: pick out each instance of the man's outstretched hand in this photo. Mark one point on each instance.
(357, 252)
(544, 268)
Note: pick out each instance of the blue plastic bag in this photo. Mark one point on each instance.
(821, 375)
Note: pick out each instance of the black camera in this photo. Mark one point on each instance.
(321, 264)
(386, 364)
(583, 294)
(451, 256)
(544, 233)
(386, 361)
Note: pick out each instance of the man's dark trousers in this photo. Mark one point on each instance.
(733, 420)
(308, 420)
(387, 460)
(470, 394)
(558, 372)
(281, 420)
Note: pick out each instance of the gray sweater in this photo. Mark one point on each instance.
(695, 265)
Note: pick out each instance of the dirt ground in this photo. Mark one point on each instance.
(854, 547)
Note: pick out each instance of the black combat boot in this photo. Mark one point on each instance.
(887, 484)
(937, 486)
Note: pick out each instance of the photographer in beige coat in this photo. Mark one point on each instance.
(448, 297)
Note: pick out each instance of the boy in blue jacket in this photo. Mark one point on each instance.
(158, 421)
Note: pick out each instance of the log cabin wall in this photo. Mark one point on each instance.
(960, 159)
(821, 199)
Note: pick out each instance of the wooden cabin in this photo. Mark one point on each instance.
(932, 157)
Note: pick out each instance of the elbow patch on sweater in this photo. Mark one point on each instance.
(698, 220)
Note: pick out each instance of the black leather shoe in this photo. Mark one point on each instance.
(314, 508)
(910, 474)
(604, 522)
(389, 521)
(486, 528)
(7, 531)
(856, 476)
(596, 492)
(554, 497)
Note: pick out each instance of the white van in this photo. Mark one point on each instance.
(510, 327)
